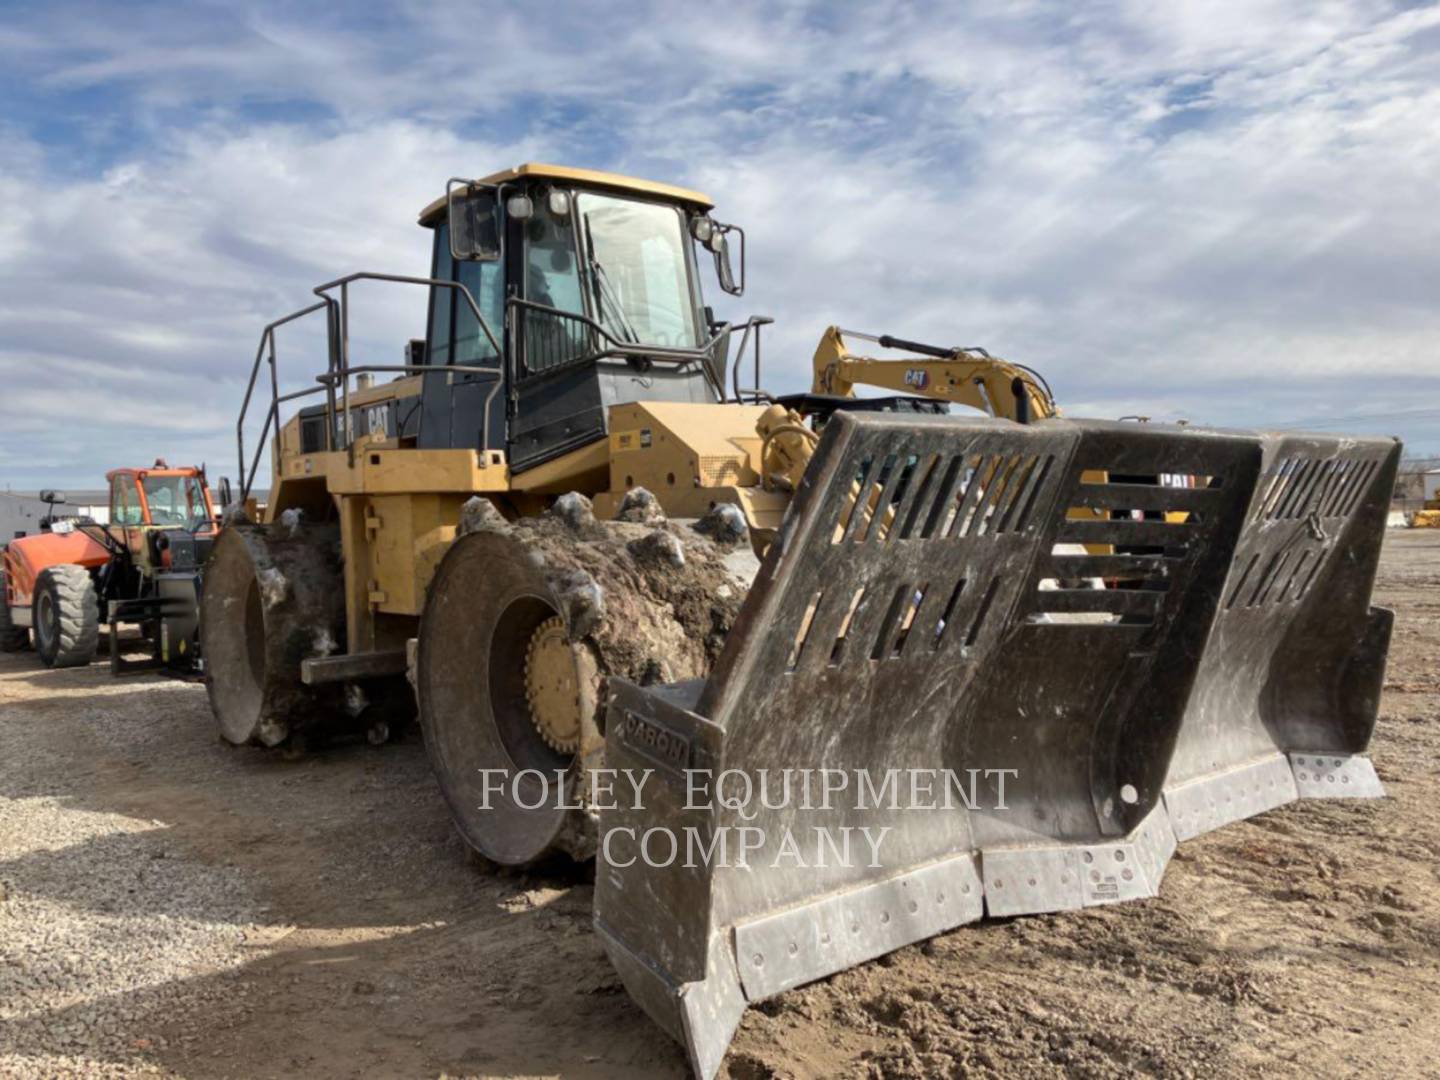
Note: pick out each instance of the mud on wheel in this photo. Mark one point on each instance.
(523, 625)
(490, 611)
(273, 597)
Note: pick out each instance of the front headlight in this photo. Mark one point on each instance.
(702, 228)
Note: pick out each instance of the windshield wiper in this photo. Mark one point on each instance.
(607, 305)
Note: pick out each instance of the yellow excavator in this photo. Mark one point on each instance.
(967, 376)
(1428, 516)
(689, 628)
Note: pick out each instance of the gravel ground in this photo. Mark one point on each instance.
(171, 906)
(103, 920)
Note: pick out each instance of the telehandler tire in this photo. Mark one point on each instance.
(66, 616)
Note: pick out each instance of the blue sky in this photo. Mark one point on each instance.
(1223, 211)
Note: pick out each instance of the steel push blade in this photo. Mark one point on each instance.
(927, 611)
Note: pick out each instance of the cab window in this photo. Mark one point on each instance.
(175, 500)
(638, 267)
(455, 334)
(483, 279)
(125, 502)
(442, 269)
(552, 277)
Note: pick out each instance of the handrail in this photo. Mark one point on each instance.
(755, 321)
(267, 336)
(618, 347)
(338, 369)
(549, 340)
(659, 352)
(405, 279)
(340, 345)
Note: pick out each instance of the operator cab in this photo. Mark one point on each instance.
(161, 497)
(162, 518)
(589, 286)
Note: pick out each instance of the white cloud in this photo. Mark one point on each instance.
(1221, 210)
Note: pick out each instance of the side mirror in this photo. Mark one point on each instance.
(474, 222)
(723, 270)
(52, 497)
(718, 243)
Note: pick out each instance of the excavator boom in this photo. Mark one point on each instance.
(963, 376)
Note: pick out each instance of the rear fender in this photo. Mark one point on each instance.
(28, 556)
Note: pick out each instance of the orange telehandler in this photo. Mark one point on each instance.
(142, 567)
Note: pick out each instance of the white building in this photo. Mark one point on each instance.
(20, 513)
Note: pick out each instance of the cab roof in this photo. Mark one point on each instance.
(155, 470)
(587, 177)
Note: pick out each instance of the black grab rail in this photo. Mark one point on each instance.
(339, 371)
(560, 339)
(555, 338)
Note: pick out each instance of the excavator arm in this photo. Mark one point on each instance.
(965, 376)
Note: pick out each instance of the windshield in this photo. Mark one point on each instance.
(175, 500)
(639, 276)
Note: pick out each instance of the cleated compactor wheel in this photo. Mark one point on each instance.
(524, 623)
(274, 596)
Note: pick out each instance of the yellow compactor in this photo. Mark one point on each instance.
(572, 531)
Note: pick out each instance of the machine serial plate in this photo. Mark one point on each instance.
(656, 742)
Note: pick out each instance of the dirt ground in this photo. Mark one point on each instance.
(1303, 942)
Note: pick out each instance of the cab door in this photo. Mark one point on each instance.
(454, 399)
(127, 516)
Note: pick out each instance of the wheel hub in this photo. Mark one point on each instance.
(45, 620)
(552, 686)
